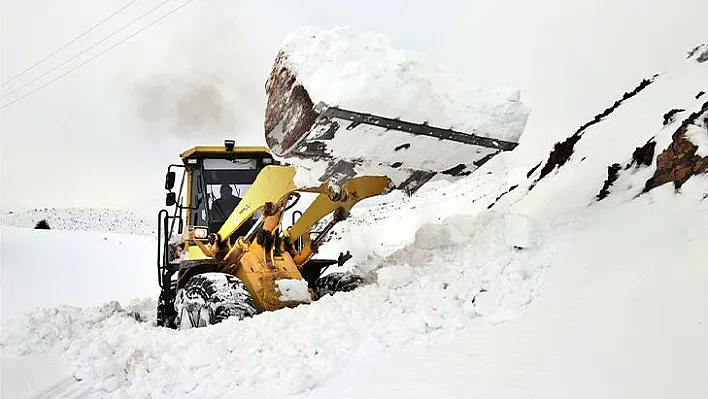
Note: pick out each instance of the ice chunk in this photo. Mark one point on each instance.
(293, 290)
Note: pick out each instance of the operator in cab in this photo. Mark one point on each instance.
(227, 202)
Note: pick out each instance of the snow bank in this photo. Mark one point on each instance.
(365, 72)
(84, 219)
(472, 277)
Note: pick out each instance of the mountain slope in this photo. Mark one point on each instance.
(622, 313)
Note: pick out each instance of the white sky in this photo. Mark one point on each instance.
(83, 142)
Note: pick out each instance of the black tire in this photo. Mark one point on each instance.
(337, 282)
(166, 314)
(210, 298)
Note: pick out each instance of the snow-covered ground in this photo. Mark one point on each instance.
(622, 314)
(84, 219)
(477, 290)
(81, 268)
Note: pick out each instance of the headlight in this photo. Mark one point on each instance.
(200, 233)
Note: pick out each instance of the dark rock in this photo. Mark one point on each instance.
(501, 195)
(669, 117)
(643, 155)
(530, 172)
(612, 175)
(42, 225)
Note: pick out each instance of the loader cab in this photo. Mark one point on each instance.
(214, 180)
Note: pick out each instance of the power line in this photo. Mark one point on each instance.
(95, 56)
(71, 42)
(87, 49)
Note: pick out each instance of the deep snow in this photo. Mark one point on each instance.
(623, 314)
(467, 274)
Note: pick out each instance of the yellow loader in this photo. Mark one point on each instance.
(222, 255)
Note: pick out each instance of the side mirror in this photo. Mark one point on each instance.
(169, 180)
(170, 199)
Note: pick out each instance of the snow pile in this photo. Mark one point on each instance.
(473, 277)
(56, 329)
(365, 72)
(380, 226)
(86, 219)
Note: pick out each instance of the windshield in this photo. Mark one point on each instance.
(223, 184)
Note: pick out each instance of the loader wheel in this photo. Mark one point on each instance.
(337, 282)
(210, 298)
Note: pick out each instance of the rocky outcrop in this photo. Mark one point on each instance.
(679, 161)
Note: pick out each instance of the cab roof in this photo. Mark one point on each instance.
(225, 151)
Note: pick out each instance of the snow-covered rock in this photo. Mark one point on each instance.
(366, 72)
(318, 74)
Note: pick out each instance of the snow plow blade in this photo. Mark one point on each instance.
(337, 142)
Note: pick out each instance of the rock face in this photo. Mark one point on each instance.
(289, 111)
(679, 161)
